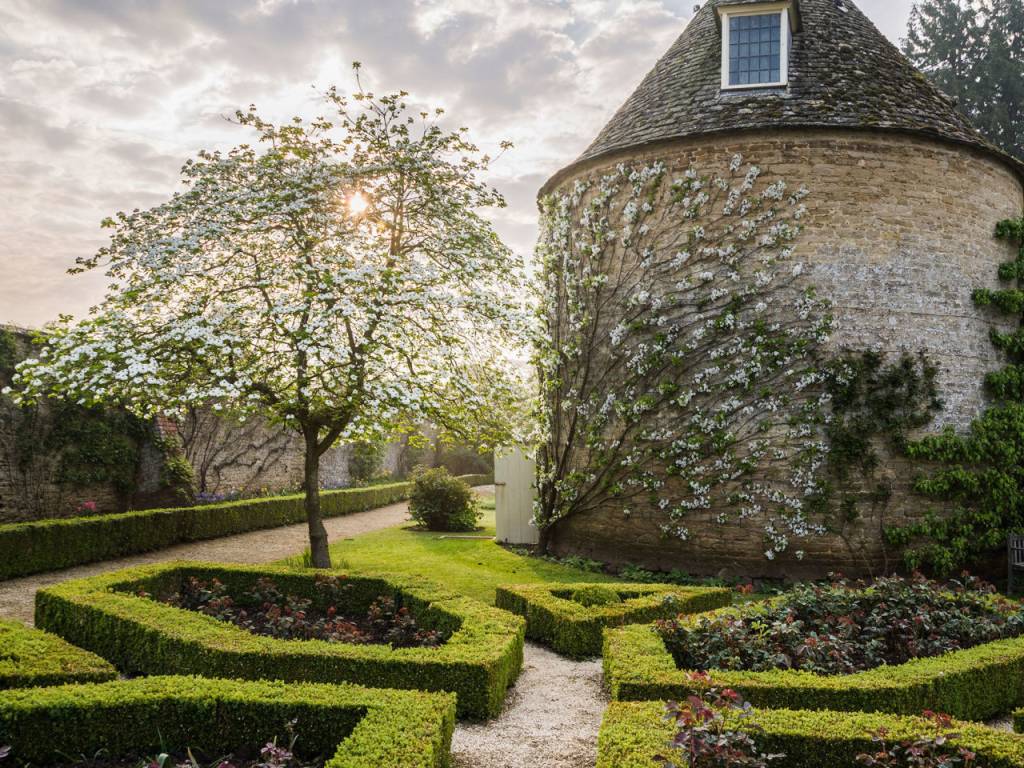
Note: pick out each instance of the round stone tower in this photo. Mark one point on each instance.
(904, 197)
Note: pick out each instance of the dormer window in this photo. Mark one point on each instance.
(756, 39)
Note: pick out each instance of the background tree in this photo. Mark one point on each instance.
(336, 278)
(974, 51)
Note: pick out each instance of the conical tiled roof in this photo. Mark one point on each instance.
(843, 73)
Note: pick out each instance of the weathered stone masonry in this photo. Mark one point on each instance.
(899, 232)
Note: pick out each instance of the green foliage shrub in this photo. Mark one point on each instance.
(440, 502)
(844, 627)
(633, 734)
(572, 629)
(30, 658)
(107, 615)
(973, 684)
(366, 461)
(360, 727)
(591, 595)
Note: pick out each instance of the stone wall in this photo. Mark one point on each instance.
(899, 232)
(44, 468)
(227, 456)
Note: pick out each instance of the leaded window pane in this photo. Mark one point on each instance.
(754, 49)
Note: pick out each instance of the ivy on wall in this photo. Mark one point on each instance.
(872, 403)
(59, 448)
(979, 481)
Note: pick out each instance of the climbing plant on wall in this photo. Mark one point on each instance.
(980, 478)
(52, 450)
(684, 368)
(678, 358)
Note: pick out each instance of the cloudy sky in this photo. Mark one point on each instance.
(102, 100)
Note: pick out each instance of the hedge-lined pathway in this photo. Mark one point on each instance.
(17, 596)
(550, 720)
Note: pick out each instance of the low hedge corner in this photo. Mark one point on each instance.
(106, 615)
(972, 684)
(360, 727)
(30, 658)
(573, 629)
(633, 733)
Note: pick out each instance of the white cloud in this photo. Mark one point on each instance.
(101, 101)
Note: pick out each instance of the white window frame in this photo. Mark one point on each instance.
(784, 10)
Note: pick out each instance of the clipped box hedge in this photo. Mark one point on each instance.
(30, 657)
(48, 545)
(972, 684)
(633, 733)
(361, 727)
(481, 659)
(573, 629)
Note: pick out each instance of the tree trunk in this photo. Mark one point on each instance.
(320, 554)
(544, 540)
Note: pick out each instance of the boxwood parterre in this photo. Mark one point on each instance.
(972, 684)
(575, 630)
(357, 727)
(105, 614)
(633, 733)
(30, 658)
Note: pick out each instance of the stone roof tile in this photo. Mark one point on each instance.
(843, 73)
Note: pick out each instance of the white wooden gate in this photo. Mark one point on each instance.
(514, 493)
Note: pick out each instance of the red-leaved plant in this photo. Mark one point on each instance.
(931, 750)
(264, 609)
(708, 731)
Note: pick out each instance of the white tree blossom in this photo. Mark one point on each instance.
(336, 277)
(679, 356)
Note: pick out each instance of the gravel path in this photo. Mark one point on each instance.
(17, 596)
(550, 720)
(551, 715)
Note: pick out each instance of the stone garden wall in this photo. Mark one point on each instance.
(899, 232)
(56, 461)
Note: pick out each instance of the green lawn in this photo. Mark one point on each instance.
(472, 567)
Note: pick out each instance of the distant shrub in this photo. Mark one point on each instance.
(440, 502)
(366, 462)
(593, 595)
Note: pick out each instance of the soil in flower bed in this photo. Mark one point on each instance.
(271, 755)
(844, 627)
(264, 609)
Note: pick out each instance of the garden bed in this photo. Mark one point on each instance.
(30, 658)
(112, 616)
(634, 733)
(571, 618)
(974, 684)
(347, 726)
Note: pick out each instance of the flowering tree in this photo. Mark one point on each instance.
(679, 359)
(337, 278)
